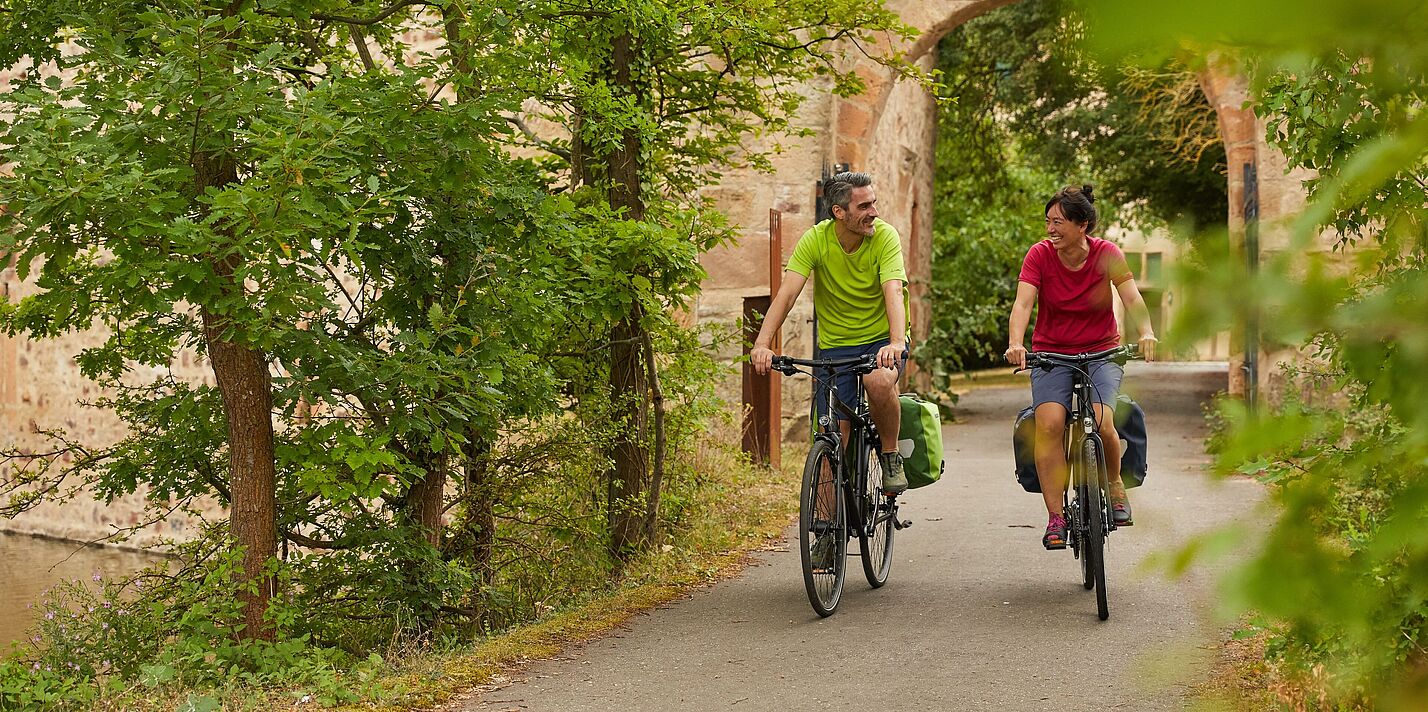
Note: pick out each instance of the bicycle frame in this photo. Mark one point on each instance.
(1086, 503)
(850, 474)
(839, 497)
(1081, 426)
(850, 480)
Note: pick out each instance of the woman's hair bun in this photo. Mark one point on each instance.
(1086, 191)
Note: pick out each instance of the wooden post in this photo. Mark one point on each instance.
(763, 395)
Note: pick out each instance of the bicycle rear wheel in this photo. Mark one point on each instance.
(875, 530)
(1095, 509)
(822, 530)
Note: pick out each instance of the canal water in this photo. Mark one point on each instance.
(29, 565)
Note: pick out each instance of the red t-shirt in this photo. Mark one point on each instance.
(1074, 313)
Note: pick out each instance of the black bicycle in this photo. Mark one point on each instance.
(1087, 498)
(827, 521)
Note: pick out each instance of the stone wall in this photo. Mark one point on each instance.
(41, 389)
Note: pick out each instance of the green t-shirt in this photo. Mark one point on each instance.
(848, 291)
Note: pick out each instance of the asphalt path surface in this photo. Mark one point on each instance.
(976, 615)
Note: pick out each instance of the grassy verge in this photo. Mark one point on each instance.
(1239, 680)
(746, 509)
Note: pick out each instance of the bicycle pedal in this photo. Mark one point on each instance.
(902, 523)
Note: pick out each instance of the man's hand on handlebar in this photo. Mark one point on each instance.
(761, 357)
(889, 355)
(1016, 355)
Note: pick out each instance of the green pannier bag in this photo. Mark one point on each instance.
(919, 440)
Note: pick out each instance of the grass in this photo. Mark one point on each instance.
(1239, 680)
(746, 510)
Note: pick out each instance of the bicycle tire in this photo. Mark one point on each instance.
(1096, 526)
(1079, 536)
(876, 526)
(824, 585)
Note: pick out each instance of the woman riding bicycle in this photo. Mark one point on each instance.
(1069, 277)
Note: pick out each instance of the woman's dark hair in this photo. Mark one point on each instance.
(1077, 205)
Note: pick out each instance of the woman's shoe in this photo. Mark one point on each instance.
(1055, 537)
(1120, 507)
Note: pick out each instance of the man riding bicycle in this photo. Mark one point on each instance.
(1069, 277)
(860, 302)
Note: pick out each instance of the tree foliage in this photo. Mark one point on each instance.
(1339, 579)
(448, 242)
(1026, 110)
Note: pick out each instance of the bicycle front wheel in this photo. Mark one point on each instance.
(1095, 508)
(822, 530)
(1079, 535)
(875, 532)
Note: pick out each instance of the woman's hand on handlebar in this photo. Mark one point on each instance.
(1016, 355)
(1147, 347)
(761, 357)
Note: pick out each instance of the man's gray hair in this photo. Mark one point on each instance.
(838, 189)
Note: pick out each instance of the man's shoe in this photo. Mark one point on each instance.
(1120, 507)
(894, 481)
(1055, 537)
(824, 552)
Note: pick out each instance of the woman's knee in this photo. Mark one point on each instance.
(1050, 419)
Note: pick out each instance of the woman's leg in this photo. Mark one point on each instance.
(1051, 454)
(1105, 418)
(1120, 502)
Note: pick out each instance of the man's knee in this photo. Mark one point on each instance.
(882, 381)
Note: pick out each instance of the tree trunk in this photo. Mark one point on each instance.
(425, 498)
(628, 478)
(652, 493)
(478, 529)
(246, 390)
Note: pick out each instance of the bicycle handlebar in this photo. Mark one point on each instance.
(864, 364)
(1046, 359)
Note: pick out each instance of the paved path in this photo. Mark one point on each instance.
(976, 616)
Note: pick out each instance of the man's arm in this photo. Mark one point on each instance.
(1016, 325)
(782, 303)
(1139, 316)
(897, 324)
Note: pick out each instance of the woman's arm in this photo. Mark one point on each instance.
(1016, 326)
(1139, 317)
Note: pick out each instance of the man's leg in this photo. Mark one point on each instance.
(880, 387)
(1105, 417)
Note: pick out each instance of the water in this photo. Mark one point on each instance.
(29, 565)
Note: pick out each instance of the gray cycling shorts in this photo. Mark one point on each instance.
(1054, 386)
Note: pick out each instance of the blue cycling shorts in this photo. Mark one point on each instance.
(846, 383)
